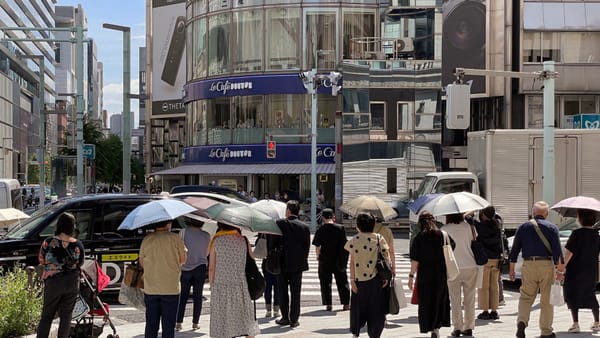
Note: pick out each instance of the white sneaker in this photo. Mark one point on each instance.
(178, 327)
(595, 327)
(574, 328)
(195, 326)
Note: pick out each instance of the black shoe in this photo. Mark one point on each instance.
(467, 333)
(455, 333)
(294, 324)
(552, 335)
(435, 333)
(329, 308)
(520, 330)
(484, 315)
(494, 315)
(282, 322)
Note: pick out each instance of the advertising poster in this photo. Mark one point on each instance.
(168, 56)
(464, 37)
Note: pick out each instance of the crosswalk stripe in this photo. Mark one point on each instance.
(310, 278)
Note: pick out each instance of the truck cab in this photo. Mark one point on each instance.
(445, 183)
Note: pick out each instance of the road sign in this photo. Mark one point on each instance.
(89, 151)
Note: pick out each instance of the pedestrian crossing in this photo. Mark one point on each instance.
(311, 290)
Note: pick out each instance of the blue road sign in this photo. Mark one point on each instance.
(89, 151)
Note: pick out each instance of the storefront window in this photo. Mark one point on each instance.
(321, 32)
(248, 119)
(218, 120)
(326, 107)
(248, 51)
(196, 130)
(285, 116)
(199, 49)
(356, 25)
(218, 44)
(283, 38)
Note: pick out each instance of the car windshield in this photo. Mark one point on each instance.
(21, 231)
(425, 187)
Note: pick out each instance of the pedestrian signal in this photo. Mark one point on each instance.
(271, 149)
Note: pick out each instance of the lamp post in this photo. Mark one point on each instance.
(42, 127)
(126, 119)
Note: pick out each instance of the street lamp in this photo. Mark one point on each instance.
(126, 103)
(42, 128)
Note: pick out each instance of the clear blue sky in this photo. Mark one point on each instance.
(109, 43)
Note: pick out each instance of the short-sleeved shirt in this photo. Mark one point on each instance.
(331, 238)
(57, 259)
(196, 241)
(364, 246)
(161, 253)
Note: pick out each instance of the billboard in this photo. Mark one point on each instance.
(464, 37)
(168, 56)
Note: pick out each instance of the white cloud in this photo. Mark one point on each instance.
(113, 99)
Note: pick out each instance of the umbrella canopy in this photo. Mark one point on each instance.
(568, 207)
(244, 217)
(11, 215)
(455, 203)
(155, 211)
(418, 204)
(204, 203)
(369, 204)
(274, 209)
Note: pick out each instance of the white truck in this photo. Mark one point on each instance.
(508, 164)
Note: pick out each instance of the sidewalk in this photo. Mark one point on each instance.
(316, 322)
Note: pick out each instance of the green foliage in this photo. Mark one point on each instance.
(20, 306)
(109, 160)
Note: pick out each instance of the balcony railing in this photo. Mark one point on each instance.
(378, 48)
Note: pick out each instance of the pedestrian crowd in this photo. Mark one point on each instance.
(451, 263)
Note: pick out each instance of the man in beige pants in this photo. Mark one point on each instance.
(538, 241)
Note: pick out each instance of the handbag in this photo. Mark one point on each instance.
(481, 257)
(80, 308)
(254, 279)
(384, 270)
(393, 305)
(134, 275)
(260, 247)
(449, 259)
(273, 260)
(556, 294)
(399, 293)
(414, 299)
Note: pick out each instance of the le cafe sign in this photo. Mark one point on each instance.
(223, 87)
(224, 153)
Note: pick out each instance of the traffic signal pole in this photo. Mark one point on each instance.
(547, 75)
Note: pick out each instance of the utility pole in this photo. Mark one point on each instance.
(547, 75)
(78, 41)
(126, 118)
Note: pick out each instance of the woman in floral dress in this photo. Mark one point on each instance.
(231, 309)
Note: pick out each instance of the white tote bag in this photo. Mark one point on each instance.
(556, 294)
(399, 291)
(450, 260)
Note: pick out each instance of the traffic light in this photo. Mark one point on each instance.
(271, 149)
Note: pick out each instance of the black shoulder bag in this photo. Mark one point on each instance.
(255, 280)
(384, 269)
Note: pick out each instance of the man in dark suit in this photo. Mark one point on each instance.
(329, 243)
(296, 245)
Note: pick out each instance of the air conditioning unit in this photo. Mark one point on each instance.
(404, 45)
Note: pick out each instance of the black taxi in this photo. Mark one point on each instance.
(97, 218)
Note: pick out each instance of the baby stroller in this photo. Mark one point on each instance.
(90, 313)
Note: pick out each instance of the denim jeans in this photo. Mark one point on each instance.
(271, 288)
(160, 309)
(192, 279)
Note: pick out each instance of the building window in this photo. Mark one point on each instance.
(248, 51)
(356, 25)
(392, 180)
(199, 57)
(377, 110)
(321, 33)
(405, 116)
(218, 44)
(282, 38)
